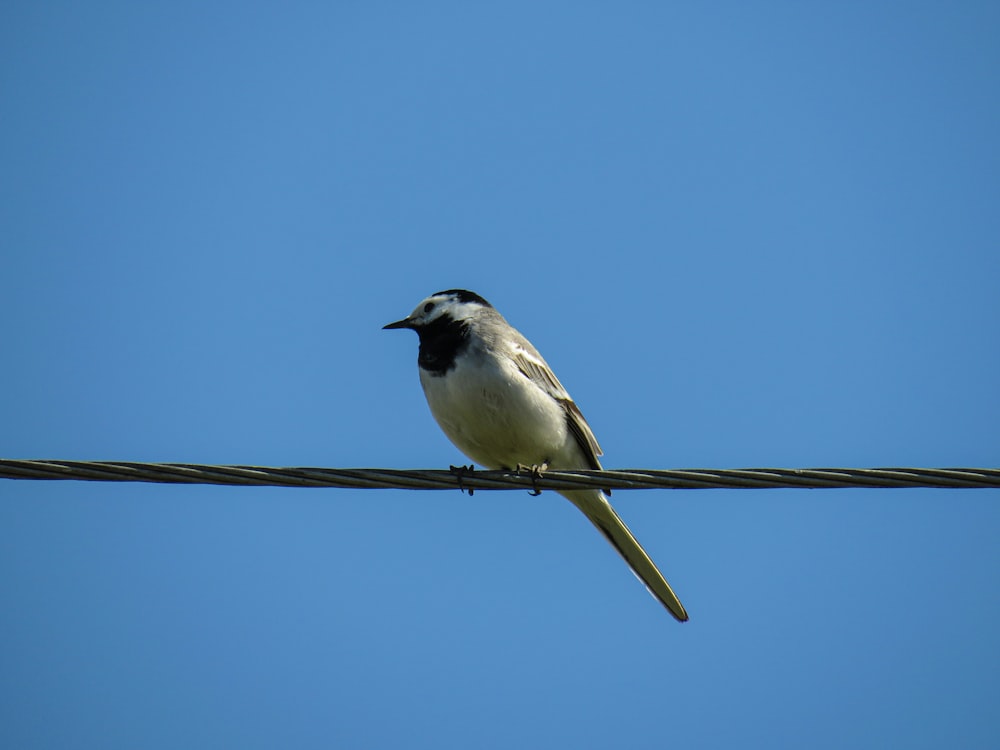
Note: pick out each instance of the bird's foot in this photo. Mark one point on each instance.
(461, 471)
(535, 471)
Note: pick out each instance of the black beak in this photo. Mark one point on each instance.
(404, 323)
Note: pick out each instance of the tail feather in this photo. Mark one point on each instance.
(597, 508)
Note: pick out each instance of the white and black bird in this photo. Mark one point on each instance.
(500, 404)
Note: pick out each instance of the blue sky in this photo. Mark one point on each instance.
(742, 234)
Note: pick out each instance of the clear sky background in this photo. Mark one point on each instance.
(747, 234)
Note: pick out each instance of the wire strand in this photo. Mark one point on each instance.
(438, 479)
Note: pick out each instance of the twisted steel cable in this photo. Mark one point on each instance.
(439, 479)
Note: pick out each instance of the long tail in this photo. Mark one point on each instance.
(596, 507)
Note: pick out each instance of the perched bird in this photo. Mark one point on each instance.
(500, 404)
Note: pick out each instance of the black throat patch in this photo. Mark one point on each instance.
(440, 343)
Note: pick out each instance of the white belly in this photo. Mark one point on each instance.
(500, 419)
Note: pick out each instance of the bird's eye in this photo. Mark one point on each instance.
(428, 307)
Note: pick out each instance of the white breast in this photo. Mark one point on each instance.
(497, 417)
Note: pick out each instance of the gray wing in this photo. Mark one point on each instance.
(533, 367)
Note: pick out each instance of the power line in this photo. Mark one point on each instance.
(438, 479)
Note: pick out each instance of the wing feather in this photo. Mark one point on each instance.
(533, 367)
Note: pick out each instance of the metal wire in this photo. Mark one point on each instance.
(437, 479)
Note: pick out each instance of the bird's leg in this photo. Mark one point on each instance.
(461, 471)
(535, 470)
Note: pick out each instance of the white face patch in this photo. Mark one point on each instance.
(439, 305)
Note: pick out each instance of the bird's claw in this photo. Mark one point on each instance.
(535, 472)
(461, 471)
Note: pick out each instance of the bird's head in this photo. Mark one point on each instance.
(454, 305)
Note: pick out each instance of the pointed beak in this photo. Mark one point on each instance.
(404, 323)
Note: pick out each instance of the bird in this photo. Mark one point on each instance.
(500, 403)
